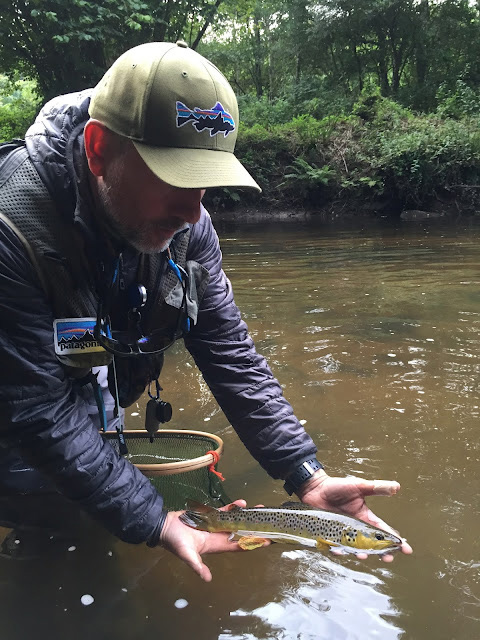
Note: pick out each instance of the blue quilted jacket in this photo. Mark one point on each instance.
(46, 422)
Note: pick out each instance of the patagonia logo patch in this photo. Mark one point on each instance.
(75, 335)
(216, 119)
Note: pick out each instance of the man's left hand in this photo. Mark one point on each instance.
(347, 495)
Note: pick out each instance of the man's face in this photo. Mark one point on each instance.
(143, 209)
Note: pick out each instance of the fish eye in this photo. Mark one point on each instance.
(379, 536)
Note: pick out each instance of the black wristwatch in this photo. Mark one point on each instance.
(302, 473)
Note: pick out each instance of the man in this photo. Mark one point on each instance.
(103, 236)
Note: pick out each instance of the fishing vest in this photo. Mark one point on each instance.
(56, 249)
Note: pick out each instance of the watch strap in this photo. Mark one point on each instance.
(301, 474)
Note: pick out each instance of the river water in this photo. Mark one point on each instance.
(373, 331)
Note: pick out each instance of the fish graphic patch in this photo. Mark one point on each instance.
(216, 119)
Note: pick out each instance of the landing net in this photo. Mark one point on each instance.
(179, 464)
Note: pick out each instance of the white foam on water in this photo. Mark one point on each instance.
(181, 603)
(292, 555)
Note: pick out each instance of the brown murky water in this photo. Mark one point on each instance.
(374, 334)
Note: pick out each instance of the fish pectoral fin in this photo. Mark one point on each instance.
(326, 544)
(248, 543)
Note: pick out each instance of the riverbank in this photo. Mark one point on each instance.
(382, 159)
(446, 209)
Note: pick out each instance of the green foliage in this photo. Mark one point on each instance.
(307, 180)
(18, 107)
(67, 46)
(255, 110)
(459, 102)
(394, 154)
(371, 106)
(425, 156)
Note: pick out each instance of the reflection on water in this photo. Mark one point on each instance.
(313, 600)
(374, 334)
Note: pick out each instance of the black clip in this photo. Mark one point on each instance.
(157, 411)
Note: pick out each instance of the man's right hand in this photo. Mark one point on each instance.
(190, 544)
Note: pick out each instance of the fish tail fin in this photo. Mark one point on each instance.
(183, 109)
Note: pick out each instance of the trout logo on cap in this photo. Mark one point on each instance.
(216, 119)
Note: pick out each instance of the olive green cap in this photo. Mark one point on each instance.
(180, 112)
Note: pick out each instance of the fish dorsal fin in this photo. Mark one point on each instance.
(233, 507)
(290, 504)
(198, 507)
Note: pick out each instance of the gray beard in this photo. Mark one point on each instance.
(139, 236)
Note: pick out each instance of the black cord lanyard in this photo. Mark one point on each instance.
(122, 445)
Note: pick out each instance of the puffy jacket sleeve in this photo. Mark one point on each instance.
(237, 375)
(43, 417)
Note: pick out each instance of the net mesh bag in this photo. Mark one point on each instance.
(179, 464)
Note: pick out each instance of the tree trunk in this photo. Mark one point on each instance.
(421, 61)
(358, 63)
(206, 24)
(257, 53)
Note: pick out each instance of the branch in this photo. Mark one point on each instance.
(206, 24)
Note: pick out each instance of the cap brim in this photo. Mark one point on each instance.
(195, 168)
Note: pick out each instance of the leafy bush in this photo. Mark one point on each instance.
(18, 107)
(420, 156)
(263, 111)
(306, 180)
(459, 102)
(382, 151)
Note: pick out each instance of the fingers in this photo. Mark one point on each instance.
(218, 543)
(194, 561)
(377, 522)
(406, 548)
(377, 487)
(238, 503)
(387, 558)
(385, 487)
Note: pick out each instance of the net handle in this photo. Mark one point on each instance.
(170, 468)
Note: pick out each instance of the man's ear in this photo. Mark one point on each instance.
(96, 137)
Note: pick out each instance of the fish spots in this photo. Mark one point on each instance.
(295, 523)
(303, 522)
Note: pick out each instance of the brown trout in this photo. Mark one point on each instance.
(293, 523)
